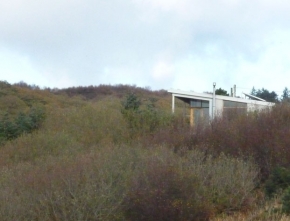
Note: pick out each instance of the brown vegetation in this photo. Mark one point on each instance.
(92, 158)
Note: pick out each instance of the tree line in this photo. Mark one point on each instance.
(270, 96)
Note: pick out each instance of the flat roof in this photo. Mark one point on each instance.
(205, 96)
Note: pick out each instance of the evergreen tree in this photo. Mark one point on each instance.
(221, 92)
(253, 91)
(285, 95)
(36, 117)
(9, 129)
(267, 95)
(23, 123)
(131, 102)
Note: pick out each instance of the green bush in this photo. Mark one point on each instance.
(143, 118)
(131, 102)
(8, 128)
(23, 123)
(278, 180)
(286, 201)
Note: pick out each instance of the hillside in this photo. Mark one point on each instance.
(120, 91)
(117, 153)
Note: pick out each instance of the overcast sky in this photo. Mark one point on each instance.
(163, 44)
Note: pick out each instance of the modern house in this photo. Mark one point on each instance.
(208, 106)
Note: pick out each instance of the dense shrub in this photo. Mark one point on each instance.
(286, 201)
(125, 183)
(263, 136)
(24, 123)
(89, 186)
(91, 123)
(101, 91)
(143, 118)
(101, 160)
(192, 187)
(162, 193)
(278, 180)
(227, 181)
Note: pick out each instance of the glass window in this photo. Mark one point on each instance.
(195, 103)
(205, 104)
(233, 104)
(199, 103)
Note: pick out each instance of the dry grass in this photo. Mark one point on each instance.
(270, 210)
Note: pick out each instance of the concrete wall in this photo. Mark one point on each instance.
(219, 106)
(254, 106)
(258, 107)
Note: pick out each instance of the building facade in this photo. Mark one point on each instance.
(208, 106)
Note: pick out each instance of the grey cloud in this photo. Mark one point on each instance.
(84, 38)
